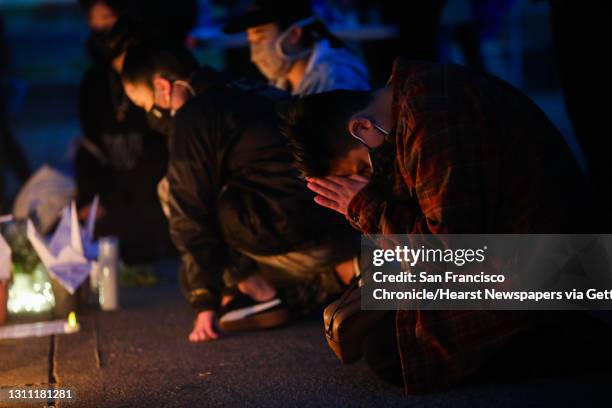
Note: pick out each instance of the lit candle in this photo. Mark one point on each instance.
(71, 326)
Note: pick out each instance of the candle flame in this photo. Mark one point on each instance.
(72, 321)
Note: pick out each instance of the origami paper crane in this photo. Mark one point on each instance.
(65, 254)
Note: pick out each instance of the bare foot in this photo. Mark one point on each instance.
(257, 288)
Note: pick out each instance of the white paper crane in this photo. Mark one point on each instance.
(64, 255)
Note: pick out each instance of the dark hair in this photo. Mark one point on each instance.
(126, 32)
(315, 126)
(145, 60)
(118, 6)
(314, 32)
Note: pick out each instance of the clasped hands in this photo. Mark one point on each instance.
(337, 192)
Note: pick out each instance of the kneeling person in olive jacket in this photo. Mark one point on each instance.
(243, 221)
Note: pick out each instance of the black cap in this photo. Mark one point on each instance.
(283, 12)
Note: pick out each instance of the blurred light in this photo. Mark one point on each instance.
(72, 322)
(71, 326)
(30, 293)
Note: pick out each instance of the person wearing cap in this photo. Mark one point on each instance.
(119, 157)
(295, 51)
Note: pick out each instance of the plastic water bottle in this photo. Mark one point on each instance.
(108, 265)
(94, 284)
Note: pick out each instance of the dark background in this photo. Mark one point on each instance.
(45, 56)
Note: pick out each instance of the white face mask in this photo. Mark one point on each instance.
(271, 59)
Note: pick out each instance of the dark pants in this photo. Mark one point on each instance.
(566, 343)
(381, 352)
(300, 267)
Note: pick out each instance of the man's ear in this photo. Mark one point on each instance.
(360, 126)
(292, 40)
(162, 89)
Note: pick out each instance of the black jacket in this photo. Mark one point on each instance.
(233, 186)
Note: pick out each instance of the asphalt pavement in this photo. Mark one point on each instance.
(139, 356)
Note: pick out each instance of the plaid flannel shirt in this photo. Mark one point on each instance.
(473, 155)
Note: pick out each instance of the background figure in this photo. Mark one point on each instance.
(578, 29)
(295, 50)
(11, 155)
(119, 157)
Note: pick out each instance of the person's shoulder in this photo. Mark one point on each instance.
(216, 98)
(430, 87)
(338, 68)
(341, 58)
(201, 107)
(208, 106)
